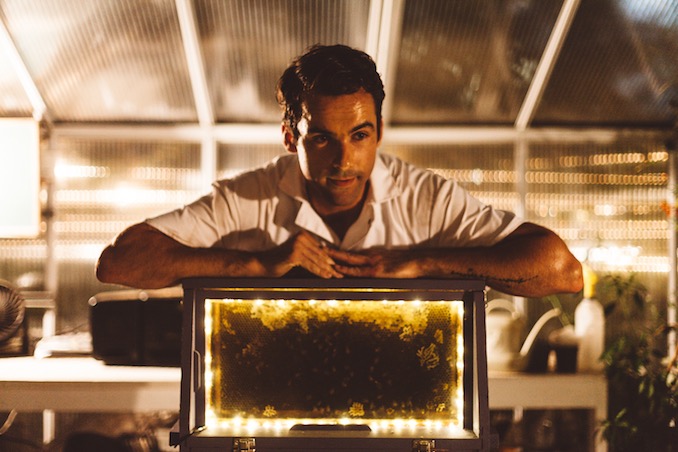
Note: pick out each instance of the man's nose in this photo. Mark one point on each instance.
(343, 156)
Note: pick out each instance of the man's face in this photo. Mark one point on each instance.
(337, 147)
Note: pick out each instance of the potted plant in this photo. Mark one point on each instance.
(642, 380)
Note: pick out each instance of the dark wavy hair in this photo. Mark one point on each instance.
(331, 71)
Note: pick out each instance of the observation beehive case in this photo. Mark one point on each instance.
(354, 364)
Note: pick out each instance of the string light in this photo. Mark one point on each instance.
(443, 419)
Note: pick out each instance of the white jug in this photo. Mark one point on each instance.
(504, 325)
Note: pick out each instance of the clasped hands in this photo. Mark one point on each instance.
(306, 251)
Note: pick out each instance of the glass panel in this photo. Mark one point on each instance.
(103, 187)
(124, 179)
(468, 62)
(248, 43)
(22, 262)
(316, 350)
(618, 66)
(486, 170)
(606, 199)
(234, 159)
(104, 60)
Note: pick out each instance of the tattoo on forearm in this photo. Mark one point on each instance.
(471, 273)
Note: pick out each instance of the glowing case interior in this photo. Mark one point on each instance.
(352, 364)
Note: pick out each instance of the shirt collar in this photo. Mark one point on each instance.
(292, 181)
(383, 184)
(383, 187)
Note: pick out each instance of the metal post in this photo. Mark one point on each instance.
(672, 243)
(521, 153)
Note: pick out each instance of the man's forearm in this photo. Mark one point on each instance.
(514, 276)
(531, 262)
(143, 257)
(531, 265)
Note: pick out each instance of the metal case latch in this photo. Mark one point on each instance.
(244, 445)
(423, 445)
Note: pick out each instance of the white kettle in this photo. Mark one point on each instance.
(504, 325)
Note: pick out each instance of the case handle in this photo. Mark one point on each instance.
(198, 374)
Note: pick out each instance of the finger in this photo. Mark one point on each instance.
(357, 272)
(352, 259)
(315, 260)
(316, 248)
(313, 255)
(321, 270)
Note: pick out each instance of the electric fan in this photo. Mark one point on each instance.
(12, 328)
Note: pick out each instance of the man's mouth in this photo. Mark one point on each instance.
(342, 182)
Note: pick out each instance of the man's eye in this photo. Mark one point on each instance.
(360, 136)
(319, 139)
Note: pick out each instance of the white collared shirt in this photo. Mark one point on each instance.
(405, 207)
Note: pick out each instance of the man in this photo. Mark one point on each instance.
(336, 208)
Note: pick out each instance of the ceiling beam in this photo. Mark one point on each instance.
(490, 135)
(387, 50)
(546, 64)
(196, 66)
(17, 63)
(203, 102)
(373, 27)
(270, 134)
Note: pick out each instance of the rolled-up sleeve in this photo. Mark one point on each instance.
(199, 224)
